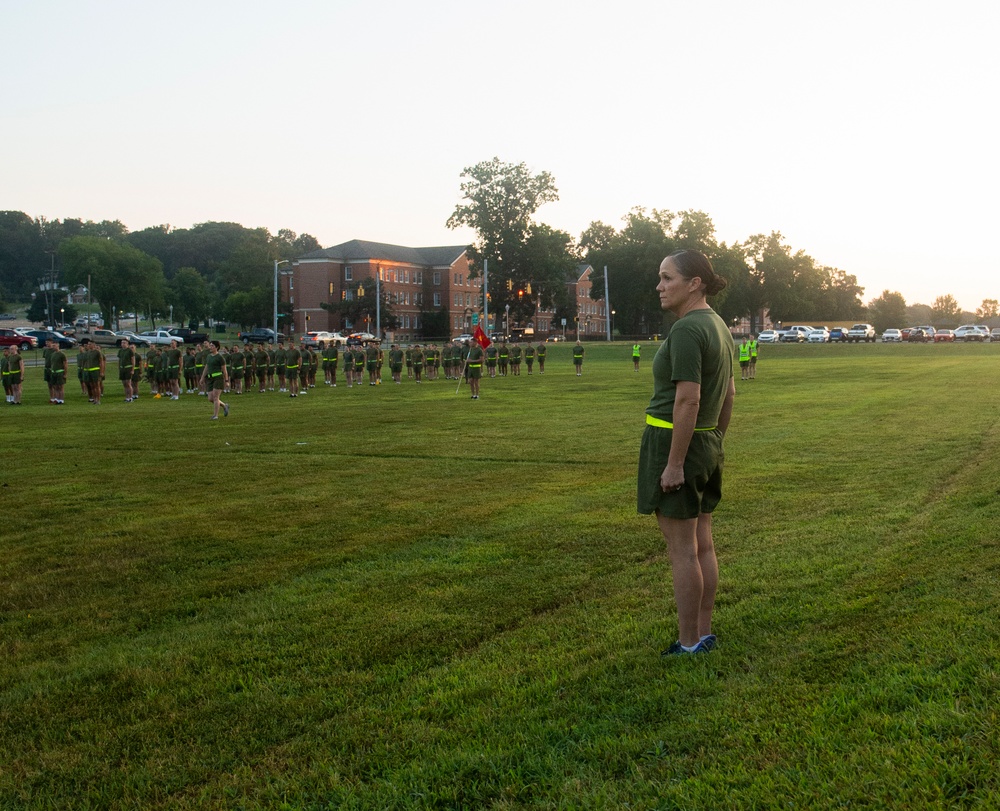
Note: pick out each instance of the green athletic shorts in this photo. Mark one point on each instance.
(702, 490)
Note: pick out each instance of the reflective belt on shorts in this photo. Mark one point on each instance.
(475, 365)
(658, 423)
(91, 369)
(216, 374)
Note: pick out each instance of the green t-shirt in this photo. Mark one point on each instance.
(215, 365)
(698, 349)
(57, 361)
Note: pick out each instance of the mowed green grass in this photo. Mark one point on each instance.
(396, 597)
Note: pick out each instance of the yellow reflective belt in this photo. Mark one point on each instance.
(94, 369)
(475, 365)
(215, 374)
(658, 423)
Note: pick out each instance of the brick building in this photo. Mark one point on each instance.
(414, 281)
(592, 314)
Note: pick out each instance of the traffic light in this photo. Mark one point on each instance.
(520, 294)
(527, 288)
(510, 284)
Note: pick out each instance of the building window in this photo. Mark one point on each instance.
(348, 274)
(437, 299)
(418, 277)
(437, 277)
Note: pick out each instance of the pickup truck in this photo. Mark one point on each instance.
(861, 332)
(260, 335)
(187, 336)
(158, 336)
(102, 337)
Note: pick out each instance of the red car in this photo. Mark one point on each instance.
(944, 336)
(9, 337)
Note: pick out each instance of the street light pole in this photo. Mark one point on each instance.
(276, 263)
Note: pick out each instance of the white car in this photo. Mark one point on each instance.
(971, 332)
(892, 336)
(795, 334)
(820, 335)
(769, 336)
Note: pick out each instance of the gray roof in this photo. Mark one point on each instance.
(359, 250)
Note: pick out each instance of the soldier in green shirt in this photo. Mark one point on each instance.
(172, 358)
(475, 368)
(418, 362)
(491, 359)
(293, 359)
(259, 360)
(58, 370)
(541, 357)
(280, 362)
(126, 365)
(504, 356)
(46, 354)
(215, 379)
(515, 359)
(190, 377)
(15, 369)
(396, 363)
(529, 356)
(578, 358)
(237, 363)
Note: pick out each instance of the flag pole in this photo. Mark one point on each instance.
(465, 366)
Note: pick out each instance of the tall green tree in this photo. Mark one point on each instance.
(632, 256)
(120, 277)
(190, 296)
(990, 308)
(499, 203)
(887, 311)
(945, 311)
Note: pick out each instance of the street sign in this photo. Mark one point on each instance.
(475, 319)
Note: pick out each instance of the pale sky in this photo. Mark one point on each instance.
(865, 132)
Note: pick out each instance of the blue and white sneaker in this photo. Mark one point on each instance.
(677, 649)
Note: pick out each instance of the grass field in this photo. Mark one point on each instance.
(396, 597)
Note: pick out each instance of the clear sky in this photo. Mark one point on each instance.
(865, 132)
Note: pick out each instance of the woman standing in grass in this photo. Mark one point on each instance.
(681, 460)
(215, 379)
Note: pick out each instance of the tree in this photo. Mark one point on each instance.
(249, 308)
(887, 311)
(632, 257)
(189, 294)
(120, 277)
(500, 201)
(945, 311)
(990, 308)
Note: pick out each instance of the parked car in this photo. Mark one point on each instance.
(550, 340)
(861, 332)
(8, 317)
(136, 340)
(769, 336)
(359, 338)
(11, 337)
(103, 337)
(820, 335)
(892, 336)
(463, 337)
(838, 335)
(43, 335)
(916, 335)
(795, 334)
(928, 331)
(260, 335)
(158, 336)
(315, 338)
(970, 332)
(186, 335)
(995, 335)
(944, 336)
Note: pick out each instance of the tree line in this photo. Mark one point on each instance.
(225, 270)
(215, 269)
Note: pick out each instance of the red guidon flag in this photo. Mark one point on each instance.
(480, 337)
